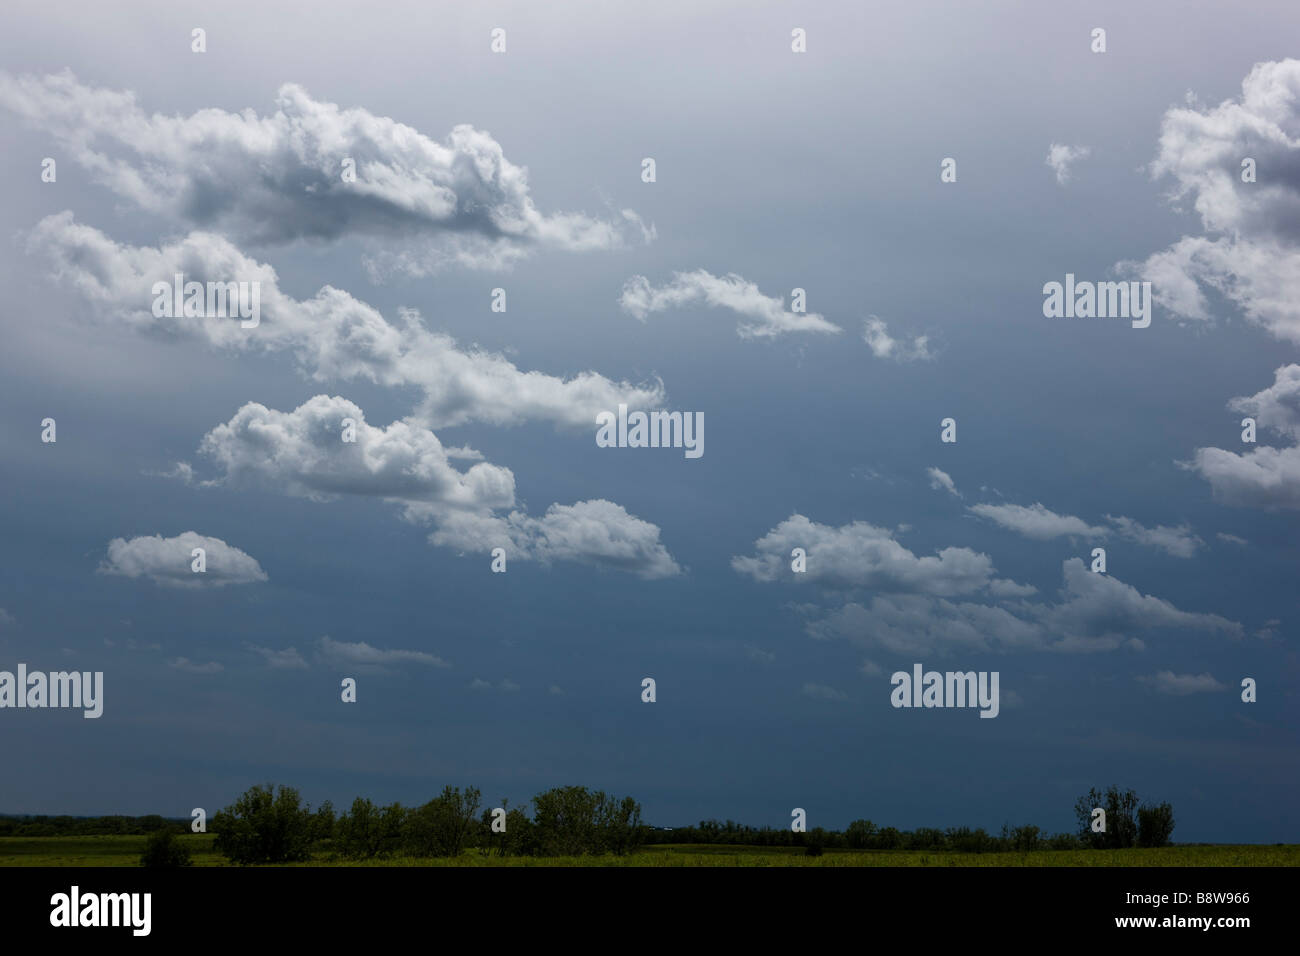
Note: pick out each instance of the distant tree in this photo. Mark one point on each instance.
(444, 825)
(859, 834)
(619, 824)
(888, 839)
(815, 844)
(565, 818)
(1121, 818)
(163, 851)
(322, 823)
(1025, 839)
(571, 821)
(1155, 824)
(367, 830)
(264, 825)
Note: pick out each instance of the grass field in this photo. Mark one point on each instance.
(125, 851)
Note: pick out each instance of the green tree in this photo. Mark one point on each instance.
(1155, 824)
(265, 825)
(367, 830)
(1121, 818)
(444, 825)
(860, 834)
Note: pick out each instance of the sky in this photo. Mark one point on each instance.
(524, 170)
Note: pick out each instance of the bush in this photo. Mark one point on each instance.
(162, 850)
(1155, 825)
(265, 826)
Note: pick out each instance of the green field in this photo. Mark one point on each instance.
(125, 851)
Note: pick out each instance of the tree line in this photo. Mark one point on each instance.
(270, 824)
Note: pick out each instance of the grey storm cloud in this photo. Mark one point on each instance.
(1096, 612)
(279, 177)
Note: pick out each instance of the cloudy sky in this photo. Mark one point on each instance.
(774, 171)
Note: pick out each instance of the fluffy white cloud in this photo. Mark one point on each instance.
(762, 316)
(1263, 477)
(279, 177)
(860, 555)
(332, 336)
(595, 532)
(1061, 157)
(1036, 521)
(1276, 407)
(302, 453)
(362, 654)
(1254, 261)
(168, 561)
(1167, 682)
(884, 346)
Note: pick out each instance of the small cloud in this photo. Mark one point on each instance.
(758, 654)
(181, 471)
(287, 659)
(1232, 539)
(1060, 158)
(1002, 587)
(822, 692)
(1167, 682)
(170, 561)
(361, 653)
(940, 481)
(556, 690)
(884, 346)
(871, 669)
(463, 453)
(1179, 542)
(190, 667)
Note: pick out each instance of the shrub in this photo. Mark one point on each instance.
(163, 850)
